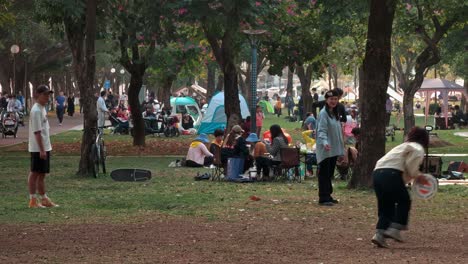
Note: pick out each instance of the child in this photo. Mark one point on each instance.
(278, 106)
(259, 119)
(391, 173)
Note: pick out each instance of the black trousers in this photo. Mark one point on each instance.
(206, 162)
(60, 111)
(393, 200)
(325, 175)
(263, 165)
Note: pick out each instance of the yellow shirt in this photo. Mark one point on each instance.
(406, 157)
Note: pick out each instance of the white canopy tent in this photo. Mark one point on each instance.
(430, 86)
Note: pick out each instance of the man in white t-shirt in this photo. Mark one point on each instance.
(39, 146)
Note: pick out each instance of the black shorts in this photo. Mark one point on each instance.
(40, 165)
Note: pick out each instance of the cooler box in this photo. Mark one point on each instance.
(235, 167)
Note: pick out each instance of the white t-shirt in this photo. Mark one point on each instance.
(38, 122)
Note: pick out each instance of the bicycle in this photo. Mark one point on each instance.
(98, 153)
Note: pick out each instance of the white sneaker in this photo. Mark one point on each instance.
(172, 164)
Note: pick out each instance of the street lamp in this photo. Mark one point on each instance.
(14, 50)
(122, 72)
(113, 82)
(252, 36)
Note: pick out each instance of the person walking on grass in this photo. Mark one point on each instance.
(391, 174)
(330, 146)
(39, 146)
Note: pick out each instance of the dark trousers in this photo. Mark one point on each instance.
(290, 110)
(393, 200)
(263, 165)
(206, 162)
(60, 111)
(387, 120)
(325, 175)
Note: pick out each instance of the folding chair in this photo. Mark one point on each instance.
(218, 169)
(290, 165)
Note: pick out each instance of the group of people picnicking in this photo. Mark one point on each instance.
(392, 172)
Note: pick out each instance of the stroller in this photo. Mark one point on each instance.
(171, 124)
(154, 125)
(390, 132)
(9, 124)
(119, 126)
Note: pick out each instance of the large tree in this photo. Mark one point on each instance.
(78, 20)
(374, 82)
(298, 41)
(426, 22)
(222, 22)
(139, 27)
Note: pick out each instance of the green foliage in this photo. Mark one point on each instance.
(7, 17)
(453, 50)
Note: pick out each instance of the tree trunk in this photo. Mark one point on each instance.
(464, 104)
(220, 83)
(166, 93)
(136, 81)
(305, 77)
(408, 111)
(231, 95)
(244, 85)
(376, 73)
(211, 82)
(289, 86)
(85, 67)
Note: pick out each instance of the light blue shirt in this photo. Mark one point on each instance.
(328, 132)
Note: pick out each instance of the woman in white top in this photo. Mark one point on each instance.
(198, 154)
(398, 167)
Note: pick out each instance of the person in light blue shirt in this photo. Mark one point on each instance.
(329, 146)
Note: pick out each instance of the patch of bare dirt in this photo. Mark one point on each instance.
(154, 146)
(252, 240)
(436, 142)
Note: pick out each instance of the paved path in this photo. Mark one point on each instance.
(22, 135)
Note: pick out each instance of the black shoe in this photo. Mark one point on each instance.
(327, 203)
(334, 201)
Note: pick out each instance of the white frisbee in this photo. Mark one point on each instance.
(425, 188)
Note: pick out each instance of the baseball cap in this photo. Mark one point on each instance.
(237, 129)
(43, 89)
(331, 93)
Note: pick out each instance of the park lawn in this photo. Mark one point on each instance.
(172, 192)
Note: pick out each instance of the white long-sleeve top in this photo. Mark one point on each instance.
(197, 152)
(406, 157)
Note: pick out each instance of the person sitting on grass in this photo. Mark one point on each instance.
(198, 155)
